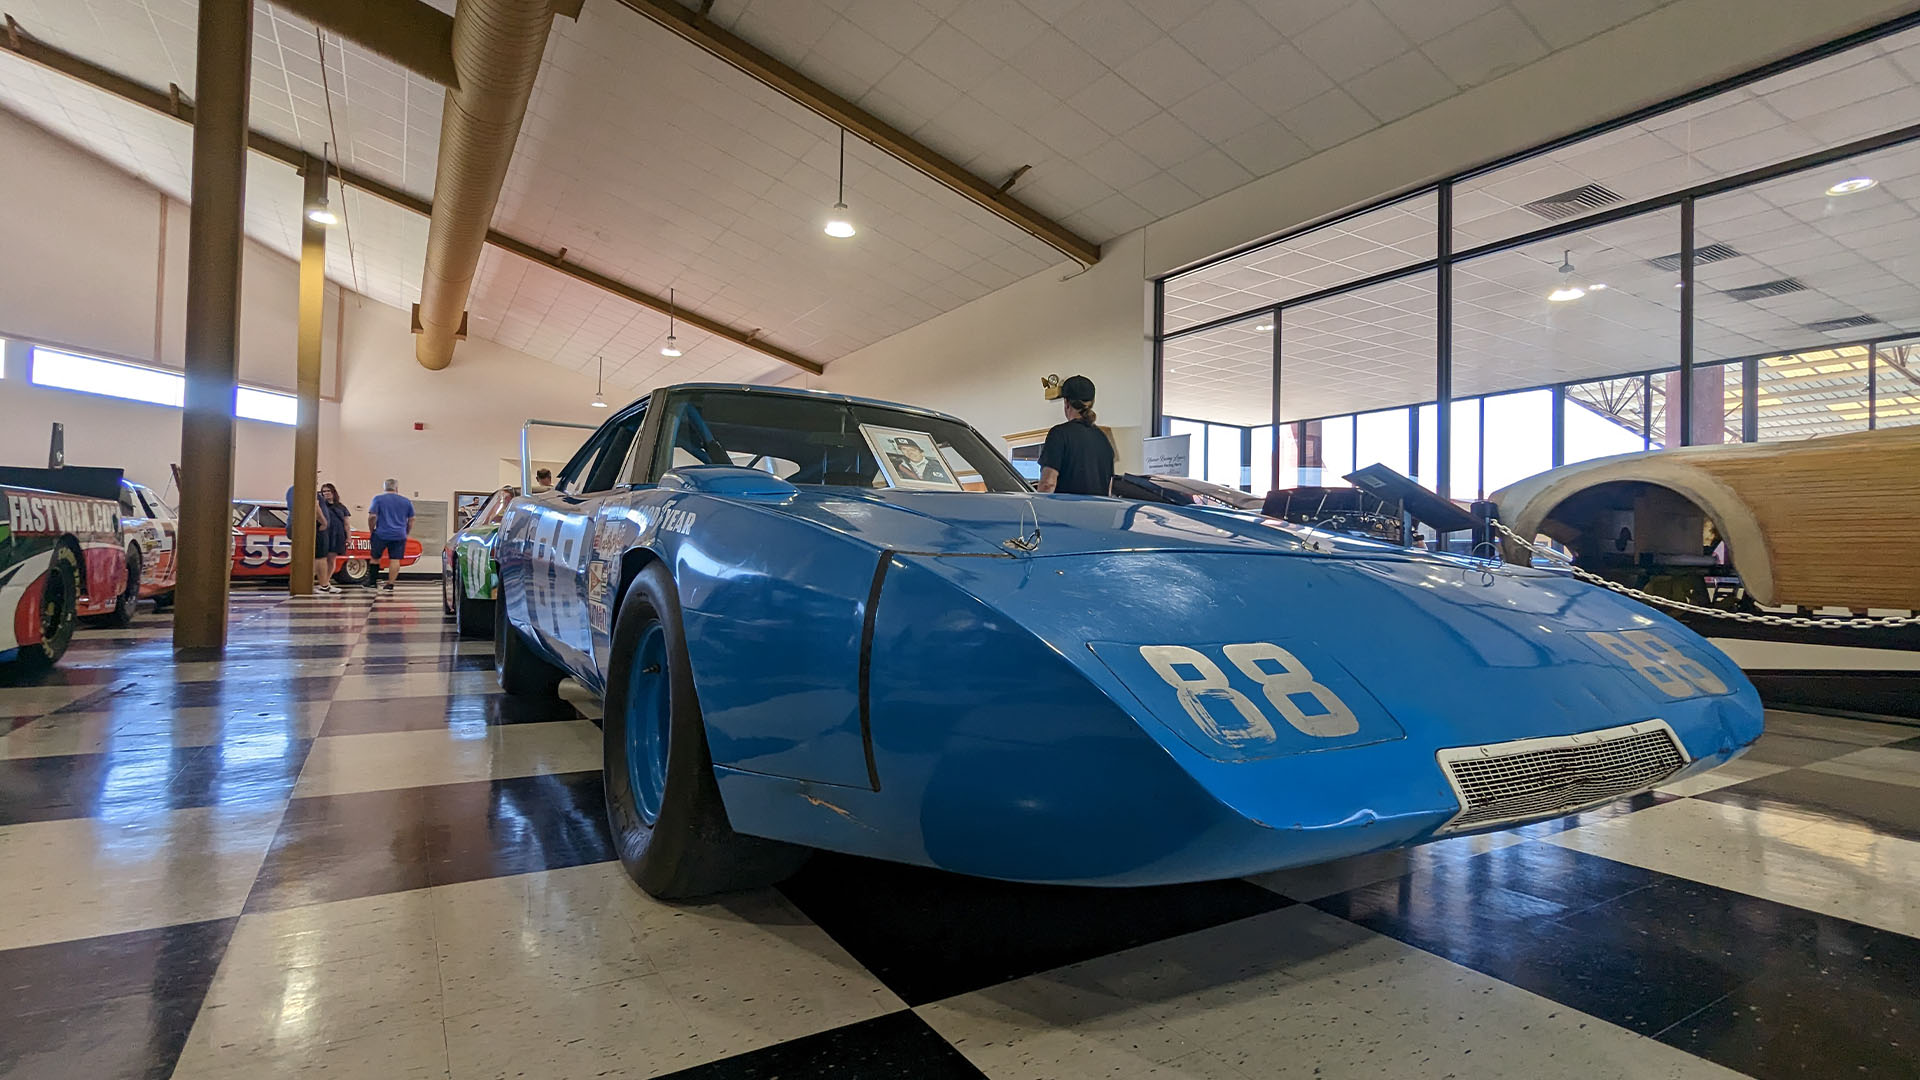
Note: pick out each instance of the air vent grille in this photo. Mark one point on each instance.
(1767, 289)
(1712, 253)
(1581, 200)
(1851, 322)
(1539, 778)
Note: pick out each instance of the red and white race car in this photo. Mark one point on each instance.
(151, 531)
(261, 547)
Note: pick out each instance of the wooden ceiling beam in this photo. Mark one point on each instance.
(697, 28)
(171, 102)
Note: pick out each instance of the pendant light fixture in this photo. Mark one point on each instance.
(1569, 289)
(599, 399)
(839, 225)
(671, 348)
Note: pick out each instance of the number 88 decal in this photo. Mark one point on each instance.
(1257, 661)
(1666, 667)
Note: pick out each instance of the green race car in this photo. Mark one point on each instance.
(468, 580)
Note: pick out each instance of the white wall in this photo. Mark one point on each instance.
(95, 260)
(983, 361)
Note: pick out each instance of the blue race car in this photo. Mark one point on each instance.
(824, 622)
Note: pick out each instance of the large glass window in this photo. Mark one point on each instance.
(155, 386)
(1517, 436)
(1863, 91)
(1590, 304)
(1374, 242)
(1805, 297)
(1896, 384)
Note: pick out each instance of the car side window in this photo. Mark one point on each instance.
(610, 463)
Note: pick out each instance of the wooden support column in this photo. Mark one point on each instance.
(221, 71)
(306, 384)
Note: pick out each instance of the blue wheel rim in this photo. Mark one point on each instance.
(649, 723)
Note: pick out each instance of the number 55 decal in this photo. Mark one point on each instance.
(1660, 663)
(1282, 678)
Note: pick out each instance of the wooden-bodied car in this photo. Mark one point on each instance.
(1822, 522)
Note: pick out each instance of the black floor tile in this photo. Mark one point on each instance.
(1797, 749)
(427, 713)
(898, 1046)
(1893, 809)
(265, 692)
(1846, 1003)
(1907, 744)
(69, 675)
(249, 770)
(334, 847)
(402, 665)
(1755, 985)
(930, 935)
(1499, 913)
(115, 1006)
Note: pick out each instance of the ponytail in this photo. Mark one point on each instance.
(1085, 411)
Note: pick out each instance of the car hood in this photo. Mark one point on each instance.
(1024, 525)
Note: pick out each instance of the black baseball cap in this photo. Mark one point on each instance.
(1077, 388)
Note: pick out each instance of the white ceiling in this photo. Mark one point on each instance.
(655, 163)
(1856, 256)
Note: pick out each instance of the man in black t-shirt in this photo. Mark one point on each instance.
(1078, 457)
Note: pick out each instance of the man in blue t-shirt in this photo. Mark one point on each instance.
(389, 519)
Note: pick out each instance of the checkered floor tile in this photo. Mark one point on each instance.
(341, 852)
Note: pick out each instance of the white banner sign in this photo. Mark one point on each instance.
(1167, 455)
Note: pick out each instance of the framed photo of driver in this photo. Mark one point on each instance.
(911, 459)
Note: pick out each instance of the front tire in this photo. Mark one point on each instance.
(523, 672)
(128, 601)
(59, 612)
(354, 572)
(663, 803)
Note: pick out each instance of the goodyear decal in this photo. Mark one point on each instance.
(55, 514)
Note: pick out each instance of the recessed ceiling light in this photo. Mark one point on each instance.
(1262, 327)
(1596, 286)
(1849, 187)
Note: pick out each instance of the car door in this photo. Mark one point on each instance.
(559, 549)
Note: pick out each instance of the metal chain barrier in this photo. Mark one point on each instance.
(1849, 623)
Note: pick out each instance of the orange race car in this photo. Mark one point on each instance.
(261, 547)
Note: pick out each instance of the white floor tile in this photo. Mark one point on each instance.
(1808, 861)
(83, 877)
(416, 684)
(1291, 993)
(1878, 763)
(401, 759)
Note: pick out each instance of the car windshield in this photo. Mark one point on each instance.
(806, 440)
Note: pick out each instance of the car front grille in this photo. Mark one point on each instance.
(1540, 778)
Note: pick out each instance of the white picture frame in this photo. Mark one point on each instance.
(894, 449)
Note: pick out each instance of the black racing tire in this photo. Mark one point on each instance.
(59, 612)
(523, 672)
(163, 601)
(472, 618)
(447, 587)
(128, 601)
(689, 849)
(355, 572)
